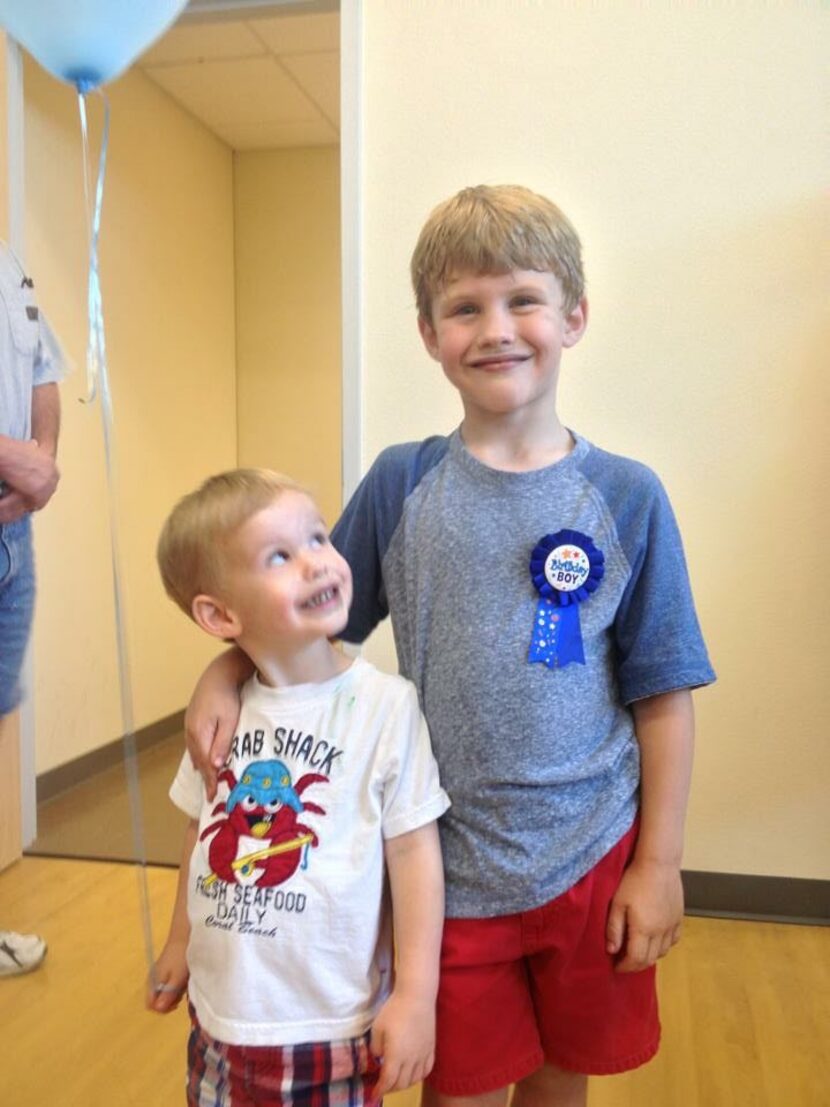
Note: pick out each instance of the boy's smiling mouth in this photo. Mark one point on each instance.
(321, 599)
(495, 362)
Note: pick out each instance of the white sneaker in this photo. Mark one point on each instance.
(20, 953)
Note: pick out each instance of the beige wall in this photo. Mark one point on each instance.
(686, 142)
(167, 274)
(287, 228)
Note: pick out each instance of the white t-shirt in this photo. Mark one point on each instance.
(290, 924)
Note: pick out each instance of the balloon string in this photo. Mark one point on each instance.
(98, 381)
(94, 335)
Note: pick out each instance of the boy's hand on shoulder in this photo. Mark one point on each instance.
(403, 1037)
(646, 914)
(169, 979)
(212, 714)
(203, 734)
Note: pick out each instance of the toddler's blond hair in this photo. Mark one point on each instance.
(192, 548)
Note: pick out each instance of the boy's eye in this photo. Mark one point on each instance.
(461, 309)
(277, 557)
(524, 301)
(319, 539)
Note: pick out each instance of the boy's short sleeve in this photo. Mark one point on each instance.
(412, 793)
(365, 529)
(51, 364)
(186, 790)
(659, 642)
(357, 537)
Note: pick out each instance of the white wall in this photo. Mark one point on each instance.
(687, 144)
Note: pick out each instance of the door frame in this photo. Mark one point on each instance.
(15, 231)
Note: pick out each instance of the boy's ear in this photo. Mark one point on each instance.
(575, 323)
(215, 618)
(429, 337)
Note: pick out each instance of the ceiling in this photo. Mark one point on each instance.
(270, 79)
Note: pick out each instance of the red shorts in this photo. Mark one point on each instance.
(519, 990)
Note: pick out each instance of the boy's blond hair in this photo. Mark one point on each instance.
(493, 229)
(192, 547)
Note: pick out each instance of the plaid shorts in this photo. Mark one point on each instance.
(312, 1074)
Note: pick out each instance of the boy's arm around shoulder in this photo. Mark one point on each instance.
(403, 1033)
(169, 978)
(364, 531)
(213, 712)
(647, 911)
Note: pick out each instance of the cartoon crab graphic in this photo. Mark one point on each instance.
(263, 805)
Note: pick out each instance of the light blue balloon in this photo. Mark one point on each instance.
(87, 42)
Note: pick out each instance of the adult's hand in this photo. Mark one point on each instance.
(29, 471)
(13, 506)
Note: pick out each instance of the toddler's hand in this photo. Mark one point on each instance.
(169, 979)
(403, 1037)
(646, 914)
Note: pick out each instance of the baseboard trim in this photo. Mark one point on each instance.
(50, 855)
(765, 898)
(54, 781)
(719, 895)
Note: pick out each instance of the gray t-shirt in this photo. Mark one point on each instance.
(541, 763)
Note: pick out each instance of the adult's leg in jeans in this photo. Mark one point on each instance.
(18, 952)
(17, 593)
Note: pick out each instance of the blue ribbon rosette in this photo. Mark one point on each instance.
(566, 569)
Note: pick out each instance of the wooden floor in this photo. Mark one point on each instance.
(746, 1006)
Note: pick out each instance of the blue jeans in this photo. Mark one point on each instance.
(17, 598)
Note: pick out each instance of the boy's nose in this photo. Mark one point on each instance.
(497, 328)
(313, 565)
